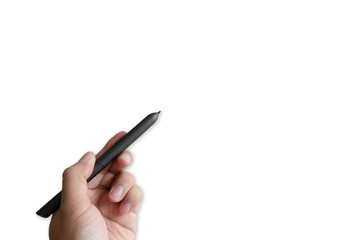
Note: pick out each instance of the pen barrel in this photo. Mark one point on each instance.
(104, 160)
(122, 144)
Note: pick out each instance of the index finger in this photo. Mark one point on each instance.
(96, 180)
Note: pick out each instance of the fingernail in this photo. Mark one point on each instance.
(116, 193)
(126, 156)
(86, 157)
(125, 208)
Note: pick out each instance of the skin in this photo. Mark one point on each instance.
(97, 210)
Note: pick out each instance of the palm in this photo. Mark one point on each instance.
(105, 217)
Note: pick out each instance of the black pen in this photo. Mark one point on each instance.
(53, 205)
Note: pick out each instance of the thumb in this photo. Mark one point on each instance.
(74, 185)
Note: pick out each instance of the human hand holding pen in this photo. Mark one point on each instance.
(104, 208)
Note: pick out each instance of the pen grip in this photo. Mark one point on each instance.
(97, 169)
(105, 159)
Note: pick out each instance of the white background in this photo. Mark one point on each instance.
(258, 136)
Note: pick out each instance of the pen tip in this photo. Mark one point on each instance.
(158, 112)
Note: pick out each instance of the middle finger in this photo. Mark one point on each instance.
(120, 186)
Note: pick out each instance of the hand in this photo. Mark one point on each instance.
(104, 208)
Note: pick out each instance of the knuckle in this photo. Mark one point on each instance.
(138, 193)
(67, 172)
(128, 177)
(131, 178)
